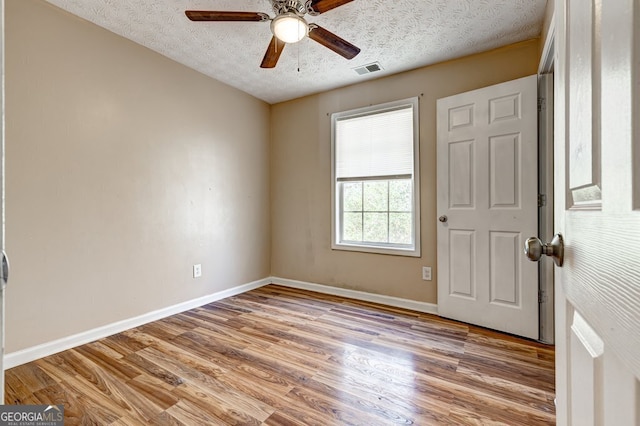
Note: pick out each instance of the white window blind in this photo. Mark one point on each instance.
(375, 145)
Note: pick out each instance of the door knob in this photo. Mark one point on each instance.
(443, 218)
(534, 249)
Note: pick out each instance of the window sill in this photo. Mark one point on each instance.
(408, 252)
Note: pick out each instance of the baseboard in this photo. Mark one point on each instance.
(428, 308)
(23, 356)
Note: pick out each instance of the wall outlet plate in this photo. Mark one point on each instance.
(426, 273)
(197, 270)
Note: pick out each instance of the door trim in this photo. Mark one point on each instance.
(545, 186)
(545, 209)
(2, 200)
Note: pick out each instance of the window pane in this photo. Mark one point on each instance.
(400, 228)
(400, 195)
(352, 193)
(376, 196)
(352, 227)
(375, 227)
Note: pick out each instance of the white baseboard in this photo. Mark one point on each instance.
(428, 308)
(23, 356)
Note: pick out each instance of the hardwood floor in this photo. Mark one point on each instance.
(278, 356)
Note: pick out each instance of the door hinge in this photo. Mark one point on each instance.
(542, 296)
(542, 104)
(542, 200)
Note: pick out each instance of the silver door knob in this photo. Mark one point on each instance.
(443, 218)
(534, 249)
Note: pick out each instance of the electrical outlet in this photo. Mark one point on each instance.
(197, 271)
(426, 273)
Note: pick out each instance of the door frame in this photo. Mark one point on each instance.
(545, 184)
(3, 273)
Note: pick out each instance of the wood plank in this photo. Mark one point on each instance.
(196, 377)
(75, 412)
(166, 418)
(153, 390)
(215, 408)
(64, 364)
(154, 370)
(32, 377)
(123, 344)
(111, 365)
(16, 393)
(187, 413)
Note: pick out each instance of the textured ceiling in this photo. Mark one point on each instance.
(399, 34)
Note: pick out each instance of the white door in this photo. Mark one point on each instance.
(597, 209)
(488, 205)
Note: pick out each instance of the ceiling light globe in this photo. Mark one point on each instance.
(289, 27)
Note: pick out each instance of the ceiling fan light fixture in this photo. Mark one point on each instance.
(289, 27)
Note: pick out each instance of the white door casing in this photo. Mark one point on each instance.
(487, 190)
(597, 209)
(545, 188)
(3, 271)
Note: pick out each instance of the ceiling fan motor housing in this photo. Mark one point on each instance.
(298, 7)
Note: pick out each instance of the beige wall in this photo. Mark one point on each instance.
(301, 173)
(123, 170)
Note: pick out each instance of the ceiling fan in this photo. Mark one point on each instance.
(288, 26)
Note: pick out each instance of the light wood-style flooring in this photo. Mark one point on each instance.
(279, 356)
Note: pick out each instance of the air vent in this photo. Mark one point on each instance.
(368, 69)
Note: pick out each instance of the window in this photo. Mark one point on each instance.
(375, 179)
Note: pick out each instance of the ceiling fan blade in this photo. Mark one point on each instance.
(273, 53)
(209, 15)
(333, 42)
(321, 6)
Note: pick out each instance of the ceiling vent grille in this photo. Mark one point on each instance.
(369, 68)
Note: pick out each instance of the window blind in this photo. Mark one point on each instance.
(375, 145)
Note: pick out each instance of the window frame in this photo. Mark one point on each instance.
(336, 208)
